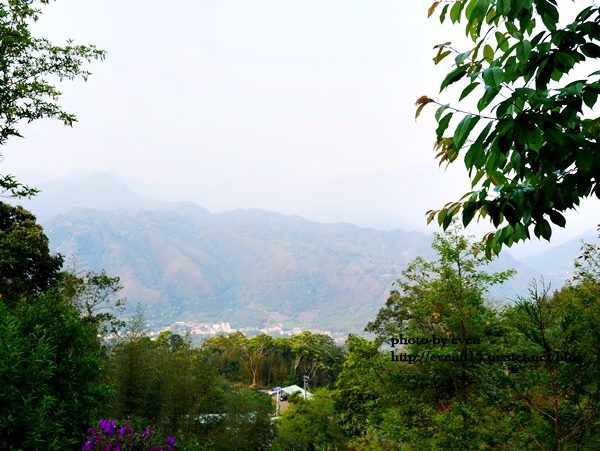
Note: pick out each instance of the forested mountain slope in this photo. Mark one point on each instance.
(250, 268)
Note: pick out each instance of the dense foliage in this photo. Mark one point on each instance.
(265, 361)
(534, 148)
(180, 390)
(49, 367)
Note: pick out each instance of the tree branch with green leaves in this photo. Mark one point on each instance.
(531, 146)
(27, 66)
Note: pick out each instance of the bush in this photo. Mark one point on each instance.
(50, 360)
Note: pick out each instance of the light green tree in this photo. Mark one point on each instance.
(433, 403)
(310, 425)
(94, 294)
(50, 365)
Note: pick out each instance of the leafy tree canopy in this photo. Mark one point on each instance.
(27, 63)
(94, 294)
(530, 141)
(26, 266)
(442, 296)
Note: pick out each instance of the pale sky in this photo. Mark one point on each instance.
(297, 107)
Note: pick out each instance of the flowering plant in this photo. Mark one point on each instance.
(108, 436)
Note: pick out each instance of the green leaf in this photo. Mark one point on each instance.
(521, 231)
(452, 210)
(443, 13)
(543, 229)
(443, 125)
(590, 97)
(494, 213)
(505, 108)
(548, 12)
(565, 59)
(439, 111)
(525, 93)
(503, 7)
(454, 76)
(535, 140)
(477, 178)
(514, 31)
(590, 50)
(469, 211)
(493, 76)
(511, 69)
(523, 51)
(440, 56)
(502, 41)
(511, 27)
(555, 136)
(488, 52)
(468, 90)
(463, 129)
(475, 156)
(488, 97)
(461, 57)
(442, 215)
(584, 160)
(455, 11)
(585, 14)
(557, 218)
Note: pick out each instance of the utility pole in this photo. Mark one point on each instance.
(305, 377)
(277, 402)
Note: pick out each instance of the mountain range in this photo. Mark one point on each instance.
(249, 269)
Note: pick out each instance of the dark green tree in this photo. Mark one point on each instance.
(361, 386)
(26, 266)
(316, 356)
(550, 400)
(530, 143)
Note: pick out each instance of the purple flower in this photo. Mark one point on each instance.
(109, 427)
(171, 441)
(125, 430)
(88, 446)
(147, 432)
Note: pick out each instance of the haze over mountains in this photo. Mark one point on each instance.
(253, 269)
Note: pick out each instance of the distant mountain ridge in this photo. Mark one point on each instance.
(558, 260)
(97, 191)
(250, 268)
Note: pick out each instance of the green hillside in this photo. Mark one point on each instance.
(250, 268)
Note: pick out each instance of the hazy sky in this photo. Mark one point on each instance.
(297, 107)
